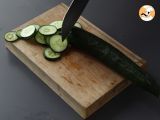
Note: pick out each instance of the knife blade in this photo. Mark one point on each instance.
(75, 10)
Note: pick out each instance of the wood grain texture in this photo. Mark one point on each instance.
(81, 81)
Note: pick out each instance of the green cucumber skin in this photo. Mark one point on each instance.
(113, 58)
(13, 40)
(51, 59)
(18, 33)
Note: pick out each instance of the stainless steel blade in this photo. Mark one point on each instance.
(75, 10)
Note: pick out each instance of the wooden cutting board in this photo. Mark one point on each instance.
(81, 81)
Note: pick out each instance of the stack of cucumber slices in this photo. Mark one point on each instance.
(49, 35)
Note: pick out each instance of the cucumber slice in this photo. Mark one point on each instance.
(48, 30)
(78, 25)
(40, 38)
(49, 54)
(37, 27)
(57, 24)
(11, 36)
(48, 40)
(18, 33)
(28, 31)
(57, 44)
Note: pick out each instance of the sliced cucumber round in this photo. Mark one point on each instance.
(78, 25)
(11, 36)
(18, 33)
(28, 31)
(48, 40)
(48, 30)
(49, 54)
(57, 24)
(57, 44)
(37, 27)
(40, 38)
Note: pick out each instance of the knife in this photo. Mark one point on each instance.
(75, 10)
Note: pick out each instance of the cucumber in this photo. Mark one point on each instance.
(57, 24)
(48, 40)
(114, 59)
(37, 27)
(48, 30)
(49, 54)
(57, 44)
(78, 25)
(18, 33)
(40, 38)
(11, 36)
(28, 32)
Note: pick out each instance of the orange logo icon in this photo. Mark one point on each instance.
(147, 13)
